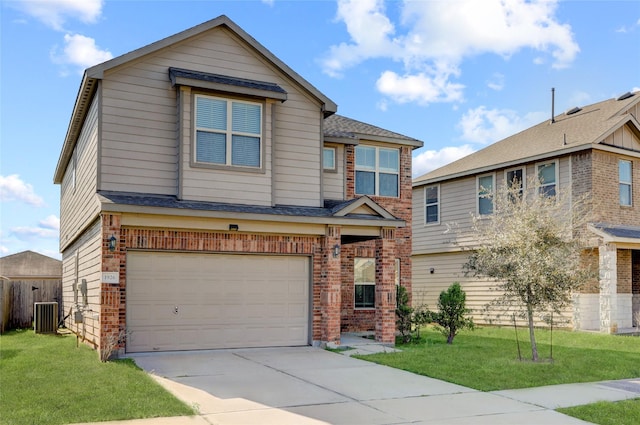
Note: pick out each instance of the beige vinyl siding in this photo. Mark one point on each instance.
(297, 152)
(141, 129)
(457, 202)
(448, 268)
(333, 182)
(623, 138)
(78, 202)
(138, 146)
(88, 250)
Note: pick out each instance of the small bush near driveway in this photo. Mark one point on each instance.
(47, 380)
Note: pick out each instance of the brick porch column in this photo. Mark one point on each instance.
(110, 326)
(330, 279)
(386, 288)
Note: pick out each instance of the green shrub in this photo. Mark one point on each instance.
(452, 311)
(409, 319)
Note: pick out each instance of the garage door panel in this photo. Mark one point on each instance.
(223, 301)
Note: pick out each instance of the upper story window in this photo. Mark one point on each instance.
(432, 204)
(329, 159)
(548, 178)
(514, 179)
(228, 132)
(377, 171)
(485, 194)
(624, 177)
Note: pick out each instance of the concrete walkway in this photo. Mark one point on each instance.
(306, 385)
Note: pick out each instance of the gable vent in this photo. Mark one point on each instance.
(627, 95)
(573, 110)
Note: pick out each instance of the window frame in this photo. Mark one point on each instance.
(480, 195)
(367, 284)
(628, 183)
(523, 183)
(229, 133)
(335, 156)
(376, 170)
(556, 183)
(436, 204)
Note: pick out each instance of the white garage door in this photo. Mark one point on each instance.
(178, 301)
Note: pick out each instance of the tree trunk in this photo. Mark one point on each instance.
(450, 338)
(532, 335)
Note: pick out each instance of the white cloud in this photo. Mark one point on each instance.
(429, 160)
(439, 35)
(30, 233)
(482, 125)
(51, 222)
(4, 250)
(268, 2)
(54, 13)
(12, 188)
(420, 88)
(370, 31)
(497, 82)
(80, 51)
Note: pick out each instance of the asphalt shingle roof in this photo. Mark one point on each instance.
(343, 127)
(619, 231)
(168, 201)
(224, 79)
(588, 126)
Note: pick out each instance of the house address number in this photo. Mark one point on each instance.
(111, 277)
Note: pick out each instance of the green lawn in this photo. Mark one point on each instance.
(606, 413)
(487, 358)
(46, 379)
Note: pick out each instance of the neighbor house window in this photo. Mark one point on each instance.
(485, 194)
(432, 204)
(515, 180)
(547, 178)
(624, 173)
(377, 171)
(364, 273)
(228, 132)
(329, 158)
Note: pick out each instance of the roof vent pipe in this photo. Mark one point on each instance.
(553, 105)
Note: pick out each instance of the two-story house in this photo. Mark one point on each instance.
(212, 198)
(592, 150)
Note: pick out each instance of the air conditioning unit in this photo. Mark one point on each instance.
(45, 318)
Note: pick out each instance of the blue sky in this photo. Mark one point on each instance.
(456, 74)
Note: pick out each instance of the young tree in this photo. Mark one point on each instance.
(452, 311)
(532, 246)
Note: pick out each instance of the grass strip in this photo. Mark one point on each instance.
(47, 380)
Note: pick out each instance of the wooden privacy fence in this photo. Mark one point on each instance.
(17, 298)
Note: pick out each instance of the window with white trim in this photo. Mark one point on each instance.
(329, 159)
(485, 185)
(625, 182)
(432, 204)
(364, 276)
(548, 178)
(228, 132)
(377, 171)
(514, 178)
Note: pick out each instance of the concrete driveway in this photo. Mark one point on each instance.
(306, 385)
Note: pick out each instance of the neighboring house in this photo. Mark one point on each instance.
(25, 278)
(594, 149)
(212, 198)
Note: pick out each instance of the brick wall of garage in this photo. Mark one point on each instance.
(114, 296)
